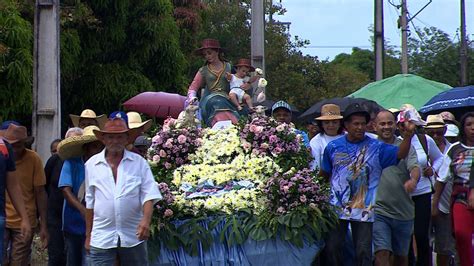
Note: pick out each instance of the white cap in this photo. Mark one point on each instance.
(451, 130)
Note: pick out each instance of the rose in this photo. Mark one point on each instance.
(258, 129)
(281, 210)
(157, 139)
(280, 127)
(303, 198)
(162, 153)
(167, 165)
(182, 139)
(253, 128)
(156, 158)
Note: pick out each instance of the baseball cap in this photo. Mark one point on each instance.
(281, 104)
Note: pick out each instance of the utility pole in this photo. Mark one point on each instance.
(46, 77)
(404, 27)
(257, 39)
(463, 50)
(379, 39)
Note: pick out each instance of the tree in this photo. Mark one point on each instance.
(16, 62)
(435, 56)
(114, 49)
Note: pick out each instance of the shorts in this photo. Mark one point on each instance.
(443, 233)
(239, 92)
(392, 235)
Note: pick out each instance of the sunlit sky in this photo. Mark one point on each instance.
(335, 26)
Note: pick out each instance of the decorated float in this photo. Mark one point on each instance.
(241, 195)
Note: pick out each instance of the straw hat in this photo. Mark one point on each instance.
(15, 133)
(117, 126)
(435, 121)
(246, 63)
(330, 112)
(135, 121)
(88, 113)
(72, 146)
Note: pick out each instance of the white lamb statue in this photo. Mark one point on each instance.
(187, 118)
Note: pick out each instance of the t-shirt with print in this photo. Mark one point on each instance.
(392, 200)
(355, 170)
(73, 176)
(6, 165)
(457, 164)
(30, 174)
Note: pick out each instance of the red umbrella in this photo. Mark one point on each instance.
(156, 104)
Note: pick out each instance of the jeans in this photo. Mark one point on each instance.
(133, 256)
(362, 237)
(76, 252)
(56, 254)
(392, 234)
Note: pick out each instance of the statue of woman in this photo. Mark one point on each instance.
(215, 105)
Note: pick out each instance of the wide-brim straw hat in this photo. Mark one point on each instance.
(72, 147)
(117, 126)
(135, 121)
(209, 44)
(90, 114)
(434, 121)
(330, 112)
(246, 63)
(15, 133)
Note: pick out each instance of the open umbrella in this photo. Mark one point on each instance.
(315, 110)
(156, 104)
(456, 100)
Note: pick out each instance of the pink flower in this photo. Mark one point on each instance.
(258, 129)
(286, 189)
(303, 198)
(253, 128)
(168, 213)
(281, 210)
(168, 144)
(162, 153)
(280, 127)
(264, 146)
(156, 139)
(273, 138)
(167, 165)
(182, 139)
(156, 158)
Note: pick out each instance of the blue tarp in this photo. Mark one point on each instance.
(273, 252)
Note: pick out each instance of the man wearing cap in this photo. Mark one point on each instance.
(441, 220)
(120, 194)
(75, 151)
(87, 118)
(353, 165)
(394, 208)
(281, 111)
(9, 182)
(30, 174)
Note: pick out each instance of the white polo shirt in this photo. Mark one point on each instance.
(118, 207)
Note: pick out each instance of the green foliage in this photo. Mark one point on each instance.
(16, 62)
(113, 50)
(433, 55)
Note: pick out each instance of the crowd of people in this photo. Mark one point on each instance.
(396, 181)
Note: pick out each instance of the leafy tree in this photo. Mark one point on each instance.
(433, 55)
(16, 62)
(114, 49)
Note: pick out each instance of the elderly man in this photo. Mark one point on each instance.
(394, 209)
(30, 174)
(120, 194)
(353, 164)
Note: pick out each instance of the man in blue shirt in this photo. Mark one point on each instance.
(353, 165)
(75, 151)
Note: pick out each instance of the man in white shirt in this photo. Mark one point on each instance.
(120, 194)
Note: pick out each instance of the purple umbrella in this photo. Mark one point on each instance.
(156, 104)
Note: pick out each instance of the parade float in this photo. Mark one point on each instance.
(241, 195)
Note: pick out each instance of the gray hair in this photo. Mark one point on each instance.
(74, 131)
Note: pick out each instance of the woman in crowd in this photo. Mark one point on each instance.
(459, 168)
(330, 124)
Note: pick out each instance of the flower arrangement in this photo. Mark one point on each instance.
(266, 136)
(171, 147)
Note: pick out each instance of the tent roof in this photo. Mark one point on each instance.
(400, 89)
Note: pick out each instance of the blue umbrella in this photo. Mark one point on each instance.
(453, 100)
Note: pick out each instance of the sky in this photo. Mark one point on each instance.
(335, 26)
